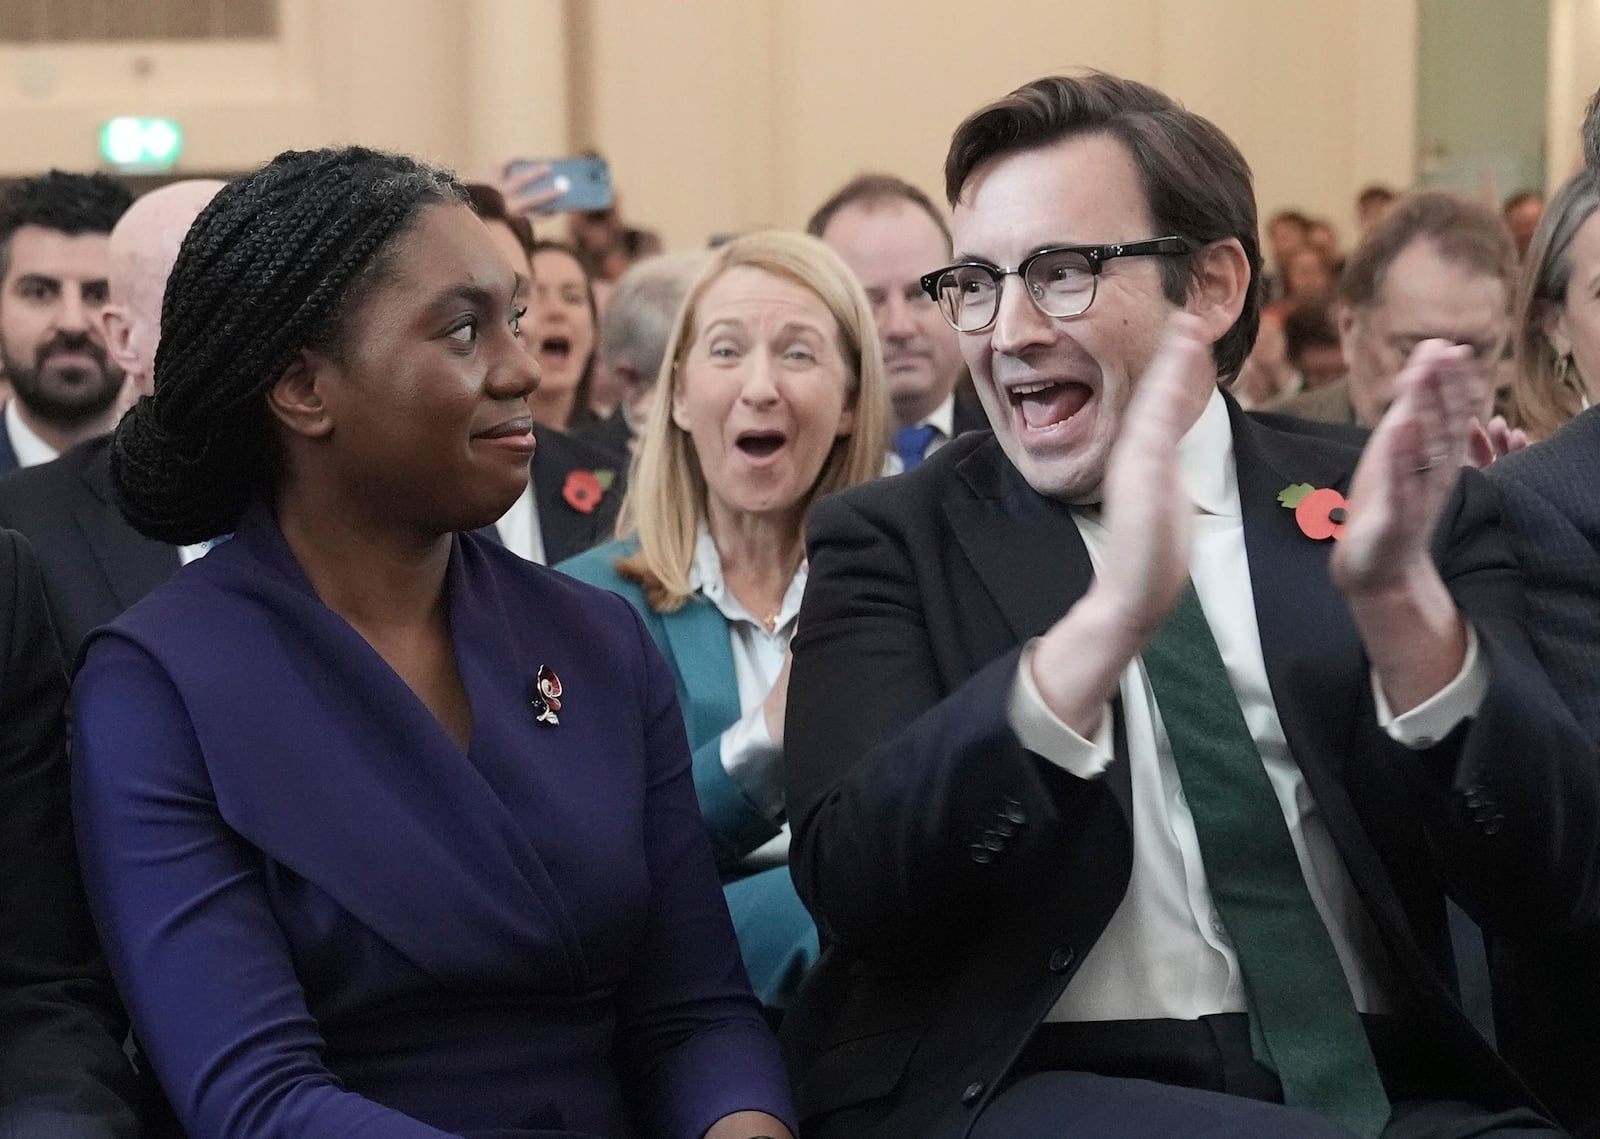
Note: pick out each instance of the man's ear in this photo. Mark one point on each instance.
(299, 398)
(1218, 286)
(117, 331)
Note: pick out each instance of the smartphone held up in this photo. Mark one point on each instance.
(560, 185)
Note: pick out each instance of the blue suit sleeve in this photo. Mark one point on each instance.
(689, 1028)
(181, 905)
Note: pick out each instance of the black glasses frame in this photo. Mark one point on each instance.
(1095, 255)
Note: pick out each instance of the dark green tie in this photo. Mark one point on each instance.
(1299, 999)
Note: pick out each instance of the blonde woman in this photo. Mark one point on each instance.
(1558, 313)
(771, 395)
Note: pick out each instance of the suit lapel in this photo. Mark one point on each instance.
(1307, 637)
(132, 564)
(697, 636)
(1025, 548)
(1027, 551)
(1316, 666)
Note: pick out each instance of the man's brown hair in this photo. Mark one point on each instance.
(1195, 181)
(874, 189)
(1462, 230)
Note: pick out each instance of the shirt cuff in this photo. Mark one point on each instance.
(754, 762)
(1040, 731)
(1443, 712)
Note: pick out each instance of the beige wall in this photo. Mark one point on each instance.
(724, 114)
(731, 113)
(459, 81)
(1574, 78)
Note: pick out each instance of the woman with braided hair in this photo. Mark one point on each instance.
(387, 831)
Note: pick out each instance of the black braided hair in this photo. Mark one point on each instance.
(274, 264)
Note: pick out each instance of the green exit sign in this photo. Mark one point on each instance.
(141, 144)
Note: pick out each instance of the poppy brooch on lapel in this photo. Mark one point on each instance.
(1320, 513)
(548, 702)
(583, 490)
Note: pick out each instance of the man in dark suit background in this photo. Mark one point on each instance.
(95, 564)
(574, 492)
(1125, 799)
(63, 1074)
(53, 238)
(889, 233)
(1548, 990)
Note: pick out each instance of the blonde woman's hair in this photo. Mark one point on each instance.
(666, 499)
(1549, 390)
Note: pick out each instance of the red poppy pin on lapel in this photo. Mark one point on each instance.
(548, 702)
(583, 490)
(1321, 513)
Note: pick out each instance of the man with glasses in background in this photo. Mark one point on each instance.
(1134, 748)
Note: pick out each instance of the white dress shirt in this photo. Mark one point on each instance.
(31, 451)
(1165, 953)
(519, 527)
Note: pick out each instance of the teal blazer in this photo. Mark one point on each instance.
(695, 642)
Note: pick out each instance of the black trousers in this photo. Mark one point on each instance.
(1198, 1079)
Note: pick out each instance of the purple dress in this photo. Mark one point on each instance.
(328, 920)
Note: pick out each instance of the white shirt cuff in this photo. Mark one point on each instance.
(1043, 733)
(1440, 714)
(754, 762)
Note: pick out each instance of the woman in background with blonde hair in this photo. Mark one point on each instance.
(771, 395)
(1558, 313)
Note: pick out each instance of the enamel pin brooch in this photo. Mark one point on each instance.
(548, 702)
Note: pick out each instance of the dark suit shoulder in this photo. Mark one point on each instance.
(1347, 433)
(610, 435)
(560, 452)
(968, 414)
(1564, 465)
(928, 483)
(60, 477)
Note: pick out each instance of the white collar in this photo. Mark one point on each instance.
(1205, 459)
(705, 575)
(943, 418)
(30, 449)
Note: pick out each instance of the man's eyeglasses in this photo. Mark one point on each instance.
(1060, 280)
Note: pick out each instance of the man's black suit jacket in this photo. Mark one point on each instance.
(95, 564)
(62, 1070)
(959, 880)
(566, 529)
(968, 414)
(1547, 1007)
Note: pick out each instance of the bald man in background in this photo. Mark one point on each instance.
(95, 565)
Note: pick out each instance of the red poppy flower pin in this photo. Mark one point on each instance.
(548, 702)
(1321, 513)
(583, 490)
